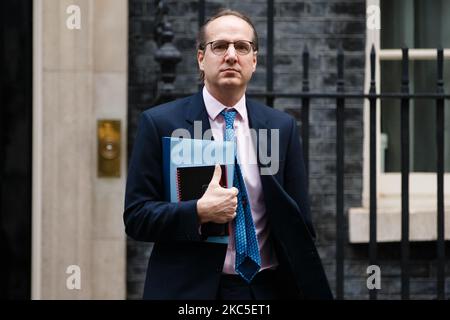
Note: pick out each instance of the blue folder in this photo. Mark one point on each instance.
(188, 165)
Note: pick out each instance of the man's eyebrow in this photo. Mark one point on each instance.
(230, 40)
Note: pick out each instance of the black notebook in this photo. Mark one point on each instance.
(192, 184)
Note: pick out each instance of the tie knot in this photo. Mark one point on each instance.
(229, 116)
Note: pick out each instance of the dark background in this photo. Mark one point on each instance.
(15, 148)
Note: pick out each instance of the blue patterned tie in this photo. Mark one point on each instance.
(248, 261)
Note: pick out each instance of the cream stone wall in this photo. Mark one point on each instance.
(79, 76)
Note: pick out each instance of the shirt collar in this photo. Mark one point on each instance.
(214, 107)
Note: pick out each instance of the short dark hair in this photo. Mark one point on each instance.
(201, 37)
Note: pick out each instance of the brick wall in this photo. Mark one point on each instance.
(322, 26)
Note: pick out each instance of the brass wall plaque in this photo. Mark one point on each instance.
(109, 144)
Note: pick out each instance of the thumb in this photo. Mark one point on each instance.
(216, 175)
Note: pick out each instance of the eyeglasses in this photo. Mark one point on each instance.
(219, 47)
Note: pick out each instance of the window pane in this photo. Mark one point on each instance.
(418, 24)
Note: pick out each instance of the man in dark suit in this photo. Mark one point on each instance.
(271, 252)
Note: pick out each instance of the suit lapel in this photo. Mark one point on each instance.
(196, 111)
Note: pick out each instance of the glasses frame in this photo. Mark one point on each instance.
(252, 46)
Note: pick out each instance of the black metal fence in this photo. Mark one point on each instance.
(168, 56)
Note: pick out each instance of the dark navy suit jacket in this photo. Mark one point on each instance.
(181, 266)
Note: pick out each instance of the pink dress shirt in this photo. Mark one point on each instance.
(247, 159)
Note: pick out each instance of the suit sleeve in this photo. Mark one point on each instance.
(295, 178)
(147, 216)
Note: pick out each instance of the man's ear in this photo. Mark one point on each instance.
(255, 60)
(200, 57)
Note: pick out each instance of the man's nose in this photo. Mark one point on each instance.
(231, 53)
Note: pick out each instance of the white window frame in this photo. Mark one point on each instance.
(423, 186)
